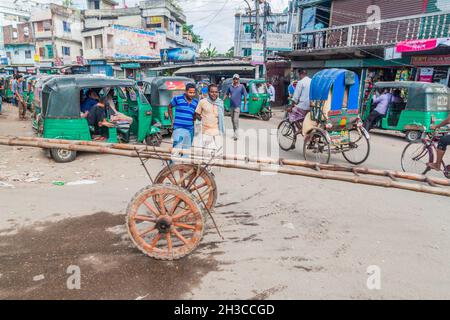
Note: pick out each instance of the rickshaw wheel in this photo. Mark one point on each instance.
(63, 156)
(357, 139)
(154, 140)
(165, 232)
(183, 175)
(316, 148)
(287, 137)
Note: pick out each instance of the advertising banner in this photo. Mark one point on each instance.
(136, 44)
(280, 41)
(257, 54)
(421, 45)
(177, 55)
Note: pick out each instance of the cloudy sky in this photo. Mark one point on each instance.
(212, 19)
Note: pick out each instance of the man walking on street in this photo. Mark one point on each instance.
(271, 91)
(235, 93)
(18, 95)
(210, 112)
(183, 122)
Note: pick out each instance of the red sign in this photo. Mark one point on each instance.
(175, 85)
(416, 45)
(427, 61)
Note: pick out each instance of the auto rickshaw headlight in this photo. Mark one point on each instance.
(149, 113)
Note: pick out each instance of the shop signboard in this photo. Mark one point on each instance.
(391, 54)
(257, 54)
(426, 61)
(280, 41)
(421, 45)
(426, 74)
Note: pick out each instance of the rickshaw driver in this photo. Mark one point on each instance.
(443, 143)
(301, 103)
(97, 117)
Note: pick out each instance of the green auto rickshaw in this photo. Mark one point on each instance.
(160, 91)
(59, 114)
(25, 86)
(7, 88)
(419, 105)
(258, 98)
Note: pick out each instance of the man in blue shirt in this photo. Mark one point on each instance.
(91, 100)
(382, 103)
(183, 121)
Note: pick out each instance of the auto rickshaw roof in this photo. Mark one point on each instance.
(86, 81)
(161, 82)
(425, 87)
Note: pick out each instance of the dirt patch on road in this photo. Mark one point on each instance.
(34, 263)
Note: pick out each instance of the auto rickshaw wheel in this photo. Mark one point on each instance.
(192, 178)
(265, 115)
(316, 148)
(167, 231)
(63, 156)
(154, 140)
(413, 135)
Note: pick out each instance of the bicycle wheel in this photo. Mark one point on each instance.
(287, 137)
(415, 157)
(316, 148)
(358, 148)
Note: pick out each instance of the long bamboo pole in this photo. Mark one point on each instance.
(287, 162)
(233, 164)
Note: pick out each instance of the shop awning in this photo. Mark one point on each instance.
(194, 70)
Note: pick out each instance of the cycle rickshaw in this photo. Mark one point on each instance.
(333, 126)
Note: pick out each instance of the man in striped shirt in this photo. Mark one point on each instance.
(184, 107)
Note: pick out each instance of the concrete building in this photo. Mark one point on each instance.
(19, 44)
(245, 30)
(57, 31)
(9, 15)
(163, 14)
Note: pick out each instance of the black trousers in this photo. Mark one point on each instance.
(373, 118)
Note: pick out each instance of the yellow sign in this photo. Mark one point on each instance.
(37, 58)
(154, 20)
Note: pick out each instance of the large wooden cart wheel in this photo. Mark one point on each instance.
(186, 176)
(169, 229)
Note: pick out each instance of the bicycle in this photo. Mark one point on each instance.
(417, 155)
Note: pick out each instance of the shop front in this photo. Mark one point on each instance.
(432, 68)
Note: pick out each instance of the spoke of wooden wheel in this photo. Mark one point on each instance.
(194, 177)
(169, 242)
(175, 206)
(144, 218)
(180, 236)
(155, 241)
(161, 204)
(182, 214)
(151, 208)
(181, 181)
(199, 186)
(147, 231)
(172, 180)
(184, 177)
(184, 226)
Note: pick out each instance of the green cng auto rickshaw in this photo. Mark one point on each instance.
(7, 88)
(59, 99)
(258, 98)
(417, 106)
(160, 91)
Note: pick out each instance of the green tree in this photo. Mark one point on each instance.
(189, 29)
(67, 3)
(210, 52)
(230, 53)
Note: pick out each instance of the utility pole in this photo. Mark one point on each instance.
(257, 34)
(266, 12)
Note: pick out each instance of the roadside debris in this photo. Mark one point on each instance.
(39, 277)
(81, 182)
(5, 185)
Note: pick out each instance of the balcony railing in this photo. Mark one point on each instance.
(378, 33)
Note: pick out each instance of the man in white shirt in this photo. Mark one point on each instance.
(300, 101)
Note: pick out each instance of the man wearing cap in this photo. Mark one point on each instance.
(235, 93)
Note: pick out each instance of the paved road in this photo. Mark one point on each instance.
(285, 237)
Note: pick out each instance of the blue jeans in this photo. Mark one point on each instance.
(182, 139)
